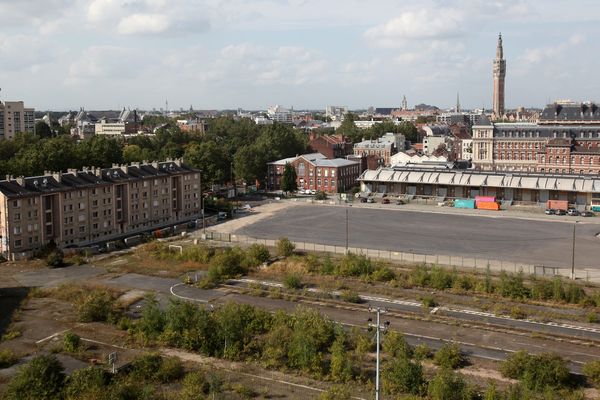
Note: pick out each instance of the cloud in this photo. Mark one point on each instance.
(531, 57)
(15, 58)
(417, 25)
(143, 23)
(102, 63)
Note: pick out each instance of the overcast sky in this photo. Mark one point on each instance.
(214, 54)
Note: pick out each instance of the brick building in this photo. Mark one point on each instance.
(316, 172)
(79, 208)
(331, 146)
(565, 140)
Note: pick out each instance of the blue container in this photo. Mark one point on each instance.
(464, 203)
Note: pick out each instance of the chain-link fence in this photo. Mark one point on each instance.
(464, 263)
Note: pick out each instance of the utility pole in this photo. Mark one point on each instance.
(573, 253)
(346, 230)
(379, 329)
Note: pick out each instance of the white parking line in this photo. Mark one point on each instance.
(171, 289)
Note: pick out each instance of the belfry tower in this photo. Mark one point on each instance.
(499, 74)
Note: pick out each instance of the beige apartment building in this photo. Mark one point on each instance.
(80, 208)
(15, 118)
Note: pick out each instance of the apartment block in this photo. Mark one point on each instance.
(80, 208)
(15, 118)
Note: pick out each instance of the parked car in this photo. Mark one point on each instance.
(363, 199)
(400, 202)
(550, 211)
(560, 212)
(587, 214)
(370, 200)
(573, 212)
(385, 201)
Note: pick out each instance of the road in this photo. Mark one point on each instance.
(525, 241)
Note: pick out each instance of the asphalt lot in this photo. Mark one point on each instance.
(525, 241)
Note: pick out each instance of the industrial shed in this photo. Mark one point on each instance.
(521, 188)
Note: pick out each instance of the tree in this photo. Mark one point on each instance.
(91, 381)
(403, 376)
(211, 159)
(349, 129)
(43, 130)
(396, 346)
(537, 372)
(55, 259)
(41, 378)
(288, 181)
(341, 366)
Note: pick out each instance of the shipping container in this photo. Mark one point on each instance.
(558, 204)
(484, 198)
(464, 203)
(488, 205)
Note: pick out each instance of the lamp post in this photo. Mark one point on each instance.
(573, 252)
(347, 229)
(379, 328)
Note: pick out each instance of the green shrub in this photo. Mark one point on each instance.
(97, 306)
(383, 274)
(337, 392)
(355, 265)
(428, 301)
(91, 381)
(537, 372)
(448, 356)
(592, 372)
(321, 195)
(419, 276)
(293, 281)
(55, 259)
(194, 386)
(440, 279)
(227, 263)
(403, 376)
(350, 296)
(512, 286)
(285, 247)
(395, 345)
(7, 358)
(517, 312)
(422, 352)
(146, 367)
(328, 266)
(40, 378)
(71, 342)
(448, 385)
(170, 370)
(257, 254)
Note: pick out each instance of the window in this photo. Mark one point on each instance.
(17, 230)
(18, 243)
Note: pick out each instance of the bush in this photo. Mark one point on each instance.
(170, 370)
(447, 385)
(321, 195)
(448, 356)
(383, 274)
(227, 263)
(55, 259)
(537, 372)
(40, 378)
(258, 254)
(440, 278)
(86, 381)
(350, 296)
(194, 386)
(403, 376)
(428, 302)
(422, 352)
(395, 345)
(592, 372)
(71, 342)
(146, 367)
(285, 247)
(419, 276)
(97, 306)
(512, 286)
(293, 281)
(355, 265)
(337, 392)
(7, 358)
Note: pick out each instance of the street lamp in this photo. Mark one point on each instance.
(573, 253)
(347, 228)
(379, 329)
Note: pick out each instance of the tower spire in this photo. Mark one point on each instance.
(457, 103)
(499, 74)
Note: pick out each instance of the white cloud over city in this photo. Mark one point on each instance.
(63, 54)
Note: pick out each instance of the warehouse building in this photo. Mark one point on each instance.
(516, 188)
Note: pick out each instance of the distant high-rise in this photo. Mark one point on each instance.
(404, 103)
(15, 118)
(499, 74)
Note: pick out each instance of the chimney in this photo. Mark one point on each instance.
(7, 177)
(178, 162)
(124, 168)
(155, 164)
(21, 180)
(57, 176)
(97, 172)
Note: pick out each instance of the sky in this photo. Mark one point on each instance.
(306, 54)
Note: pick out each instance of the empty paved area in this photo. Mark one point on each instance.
(497, 238)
